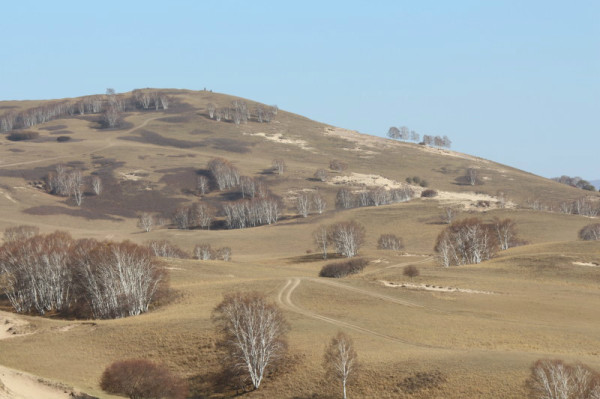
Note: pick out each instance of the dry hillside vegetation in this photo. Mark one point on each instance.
(455, 332)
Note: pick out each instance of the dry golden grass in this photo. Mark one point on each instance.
(543, 304)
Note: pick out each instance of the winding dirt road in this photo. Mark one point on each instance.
(284, 297)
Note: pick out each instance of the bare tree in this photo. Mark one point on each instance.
(164, 101)
(111, 117)
(411, 271)
(248, 186)
(211, 108)
(18, 233)
(142, 379)
(427, 139)
(449, 214)
(224, 254)
(225, 174)
(203, 252)
(347, 237)
(252, 334)
(202, 185)
(554, 379)
(303, 204)
(319, 202)
(591, 232)
(390, 241)
(340, 360)
(181, 218)
(200, 215)
(96, 185)
(279, 166)
(337, 165)
(393, 132)
(322, 239)
(506, 231)
(76, 188)
(414, 136)
(466, 242)
(146, 221)
(321, 174)
(472, 177)
(344, 199)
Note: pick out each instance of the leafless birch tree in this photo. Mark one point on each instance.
(96, 185)
(341, 361)
(146, 221)
(347, 237)
(279, 166)
(303, 204)
(319, 202)
(252, 334)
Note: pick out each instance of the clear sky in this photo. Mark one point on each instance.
(517, 82)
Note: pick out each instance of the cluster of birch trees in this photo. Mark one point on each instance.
(110, 106)
(345, 237)
(239, 112)
(346, 199)
(584, 206)
(71, 183)
(55, 273)
(404, 133)
(472, 241)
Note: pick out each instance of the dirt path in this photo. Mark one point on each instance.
(424, 260)
(284, 297)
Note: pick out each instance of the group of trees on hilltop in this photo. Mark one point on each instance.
(109, 106)
(404, 133)
(87, 278)
(575, 182)
(239, 112)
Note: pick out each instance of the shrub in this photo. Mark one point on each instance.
(429, 193)
(62, 139)
(411, 271)
(342, 269)
(142, 379)
(591, 232)
(389, 241)
(20, 136)
(337, 165)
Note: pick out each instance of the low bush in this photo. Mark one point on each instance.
(342, 269)
(20, 136)
(142, 379)
(62, 139)
(429, 193)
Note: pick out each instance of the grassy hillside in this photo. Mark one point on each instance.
(537, 300)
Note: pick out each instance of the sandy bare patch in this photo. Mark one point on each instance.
(360, 179)
(133, 176)
(279, 138)
(588, 264)
(469, 200)
(11, 326)
(20, 385)
(430, 287)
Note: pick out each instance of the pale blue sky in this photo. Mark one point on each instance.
(516, 82)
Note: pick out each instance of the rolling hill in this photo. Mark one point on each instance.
(469, 331)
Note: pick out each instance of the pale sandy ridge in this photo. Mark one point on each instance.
(16, 384)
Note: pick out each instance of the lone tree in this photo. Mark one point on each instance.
(142, 379)
(340, 360)
(252, 334)
(347, 237)
(411, 271)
